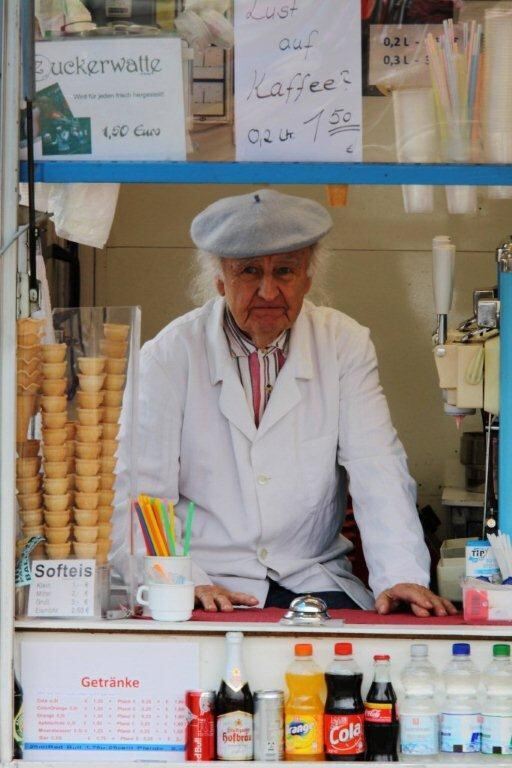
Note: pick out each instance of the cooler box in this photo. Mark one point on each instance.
(452, 568)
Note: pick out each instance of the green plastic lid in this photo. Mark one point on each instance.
(501, 649)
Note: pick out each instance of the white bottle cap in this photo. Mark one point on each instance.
(419, 651)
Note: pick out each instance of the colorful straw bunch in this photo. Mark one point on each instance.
(455, 69)
(157, 522)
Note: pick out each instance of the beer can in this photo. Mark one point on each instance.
(200, 730)
(269, 725)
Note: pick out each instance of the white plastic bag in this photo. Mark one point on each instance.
(84, 213)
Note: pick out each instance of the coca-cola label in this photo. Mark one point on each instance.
(378, 712)
(344, 734)
(234, 736)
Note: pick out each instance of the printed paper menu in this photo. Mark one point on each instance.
(298, 80)
(106, 700)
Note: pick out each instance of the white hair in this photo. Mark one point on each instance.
(207, 269)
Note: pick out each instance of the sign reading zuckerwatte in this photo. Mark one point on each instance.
(298, 80)
(109, 99)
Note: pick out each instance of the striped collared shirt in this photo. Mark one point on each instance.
(258, 368)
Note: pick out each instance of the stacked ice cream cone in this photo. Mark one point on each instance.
(57, 477)
(28, 463)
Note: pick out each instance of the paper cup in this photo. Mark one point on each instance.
(418, 198)
(461, 199)
(91, 366)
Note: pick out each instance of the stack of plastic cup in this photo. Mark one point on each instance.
(497, 96)
(416, 141)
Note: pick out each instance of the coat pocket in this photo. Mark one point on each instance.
(319, 471)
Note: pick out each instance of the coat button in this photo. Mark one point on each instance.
(263, 479)
(263, 554)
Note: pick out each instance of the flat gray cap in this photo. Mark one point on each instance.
(259, 224)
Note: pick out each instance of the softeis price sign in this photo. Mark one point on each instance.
(62, 589)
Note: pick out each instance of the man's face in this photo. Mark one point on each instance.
(265, 294)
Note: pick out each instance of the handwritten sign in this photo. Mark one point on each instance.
(106, 700)
(398, 55)
(109, 99)
(298, 80)
(62, 589)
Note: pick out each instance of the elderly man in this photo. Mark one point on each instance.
(252, 404)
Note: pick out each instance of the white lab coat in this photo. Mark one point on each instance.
(269, 499)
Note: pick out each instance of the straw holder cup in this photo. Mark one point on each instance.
(158, 569)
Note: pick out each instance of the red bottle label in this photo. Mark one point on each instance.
(377, 712)
(344, 734)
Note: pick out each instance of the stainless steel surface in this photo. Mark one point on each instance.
(306, 609)
(442, 329)
(488, 313)
(480, 294)
(504, 257)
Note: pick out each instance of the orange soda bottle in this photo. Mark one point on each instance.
(304, 707)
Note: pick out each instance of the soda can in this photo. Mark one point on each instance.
(200, 730)
(269, 725)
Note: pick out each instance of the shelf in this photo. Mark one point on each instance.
(460, 497)
(496, 761)
(492, 632)
(268, 173)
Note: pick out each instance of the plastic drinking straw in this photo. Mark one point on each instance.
(188, 527)
(158, 543)
(147, 538)
(172, 523)
(156, 512)
(152, 511)
(165, 522)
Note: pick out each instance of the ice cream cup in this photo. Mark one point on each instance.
(110, 431)
(109, 447)
(57, 535)
(89, 399)
(54, 403)
(105, 514)
(32, 517)
(116, 331)
(55, 468)
(113, 398)
(27, 351)
(28, 449)
(84, 549)
(54, 386)
(104, 545)
(104, 530)
(108, 463)
(54, 452)
(91, 366)
(57, 519)
(32, 530)
(28, 340)
(30, 367)
(111, 415)
(56, 486)
(58, 551)
(91, 383)
(115, 365)
(86, 517)
(105, 498)
(28, 501)
(87, 467)
(87, 450)
(26, 408)
(107, 480)
(88, 434)
(56, 503)
(85, 534)
(25, 378)
(54, 370)
(54, 436)
(115, 349)
(71, 429)
(89, 417)
(53, 353)
(54, 420)
(28, 467)
(30, 325)
(86, 500)
(86, 484)
(28, 485)
(114, 382)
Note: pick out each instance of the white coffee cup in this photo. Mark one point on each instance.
(168, 602)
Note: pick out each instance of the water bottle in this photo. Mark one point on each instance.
(497, 706)
(419, 714)
(460, 722)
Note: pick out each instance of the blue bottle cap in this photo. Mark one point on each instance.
(461, 649)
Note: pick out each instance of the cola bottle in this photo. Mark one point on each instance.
(234, 706)
(380, 714)
(344, 709)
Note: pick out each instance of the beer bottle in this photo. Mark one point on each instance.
(234, 706)
(17, 747)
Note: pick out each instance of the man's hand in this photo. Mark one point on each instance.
(421, 600)
(213, 598)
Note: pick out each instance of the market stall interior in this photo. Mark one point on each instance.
(138, 117)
